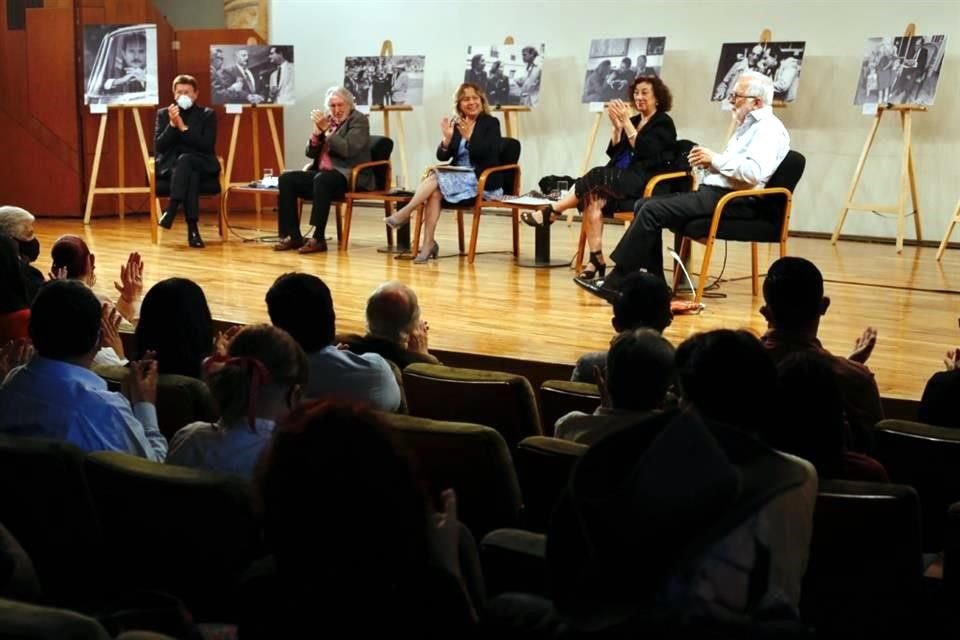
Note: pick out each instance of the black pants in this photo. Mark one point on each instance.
(185, 178)
(641, 246)
(322, 186)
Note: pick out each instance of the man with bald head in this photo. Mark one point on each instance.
(395, 328)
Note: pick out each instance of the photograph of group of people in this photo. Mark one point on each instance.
(780, 61)
(384, 80)
(251, 74)
(508, 74)
(613, 63)
(900, 70)
(120, 64)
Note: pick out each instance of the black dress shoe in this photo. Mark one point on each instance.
(193, 237)
(598, 287)
(166, 220)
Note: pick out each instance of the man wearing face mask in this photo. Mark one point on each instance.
(185, 139)
(18, 224)
(752, 155)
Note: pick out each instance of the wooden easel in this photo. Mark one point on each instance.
(386, 49)
(765, 36)
(255, 130)
(512, 127)
(908, 181)
(120, 191)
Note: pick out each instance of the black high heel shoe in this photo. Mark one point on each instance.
(546, 216)
(599, 269)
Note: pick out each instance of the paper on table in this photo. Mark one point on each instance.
(527, 200)
(452, 167)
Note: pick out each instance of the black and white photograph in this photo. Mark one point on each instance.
(120, 64)
(509, 74)
(898, 70)
(614, 63)
(781, 61)
(252, 74)
(384, 80)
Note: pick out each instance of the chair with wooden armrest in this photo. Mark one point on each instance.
(509, 157)
(661, 183)
(160, 188)
(747, 215)
(380, 149)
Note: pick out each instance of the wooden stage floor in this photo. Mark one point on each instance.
(494, 307)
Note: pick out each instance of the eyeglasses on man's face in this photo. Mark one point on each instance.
(735, 96)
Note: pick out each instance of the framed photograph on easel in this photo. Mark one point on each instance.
(120, 64)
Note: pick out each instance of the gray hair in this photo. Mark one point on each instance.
(758, 86)
(16, 222)
(342, 93)
(392, 311)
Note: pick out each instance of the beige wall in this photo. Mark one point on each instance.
(823, 122)
(192, 14)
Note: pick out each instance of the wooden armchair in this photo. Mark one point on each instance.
(662, 180)
(509, 157)
(748, 215)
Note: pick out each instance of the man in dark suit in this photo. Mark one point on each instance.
(184, 141)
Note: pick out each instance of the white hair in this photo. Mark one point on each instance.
(16, 222)
(758, 86)
(342, 93)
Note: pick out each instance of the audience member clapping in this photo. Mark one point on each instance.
(18, 224)
(55, 394)
(395, 328)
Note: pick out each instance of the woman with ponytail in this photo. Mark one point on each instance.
(255, 383)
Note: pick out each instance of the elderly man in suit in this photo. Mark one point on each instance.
(339, 141)
(240, 85)
(185, 141)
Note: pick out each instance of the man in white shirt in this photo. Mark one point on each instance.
(754, 152)
(55, 395)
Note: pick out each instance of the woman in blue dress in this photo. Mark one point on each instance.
(470, 139)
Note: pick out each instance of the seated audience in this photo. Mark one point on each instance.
(644, 302)
(729, 380)
(637, 148)
(72, 259)
(55, 395)
(355, 540)
(395, 329)
(176, 325)
(639, 371)
(793, 305)
(470, 139)
(18, 224)
(813, 425)
(258, 381)
(14, 302)
(340, 140)
(936, 405)
(301, 305)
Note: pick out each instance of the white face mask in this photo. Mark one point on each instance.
(184, 102)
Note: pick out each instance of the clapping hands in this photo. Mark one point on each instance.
(864, 345)
(131, 278)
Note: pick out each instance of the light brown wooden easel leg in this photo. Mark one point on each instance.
(277, 149)
(256, 161)
(913, 195)
(97, 154)
(402, 147)
(946, 237)
(121, 161)
(848, 201)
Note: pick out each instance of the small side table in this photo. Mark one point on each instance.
(257, 192)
